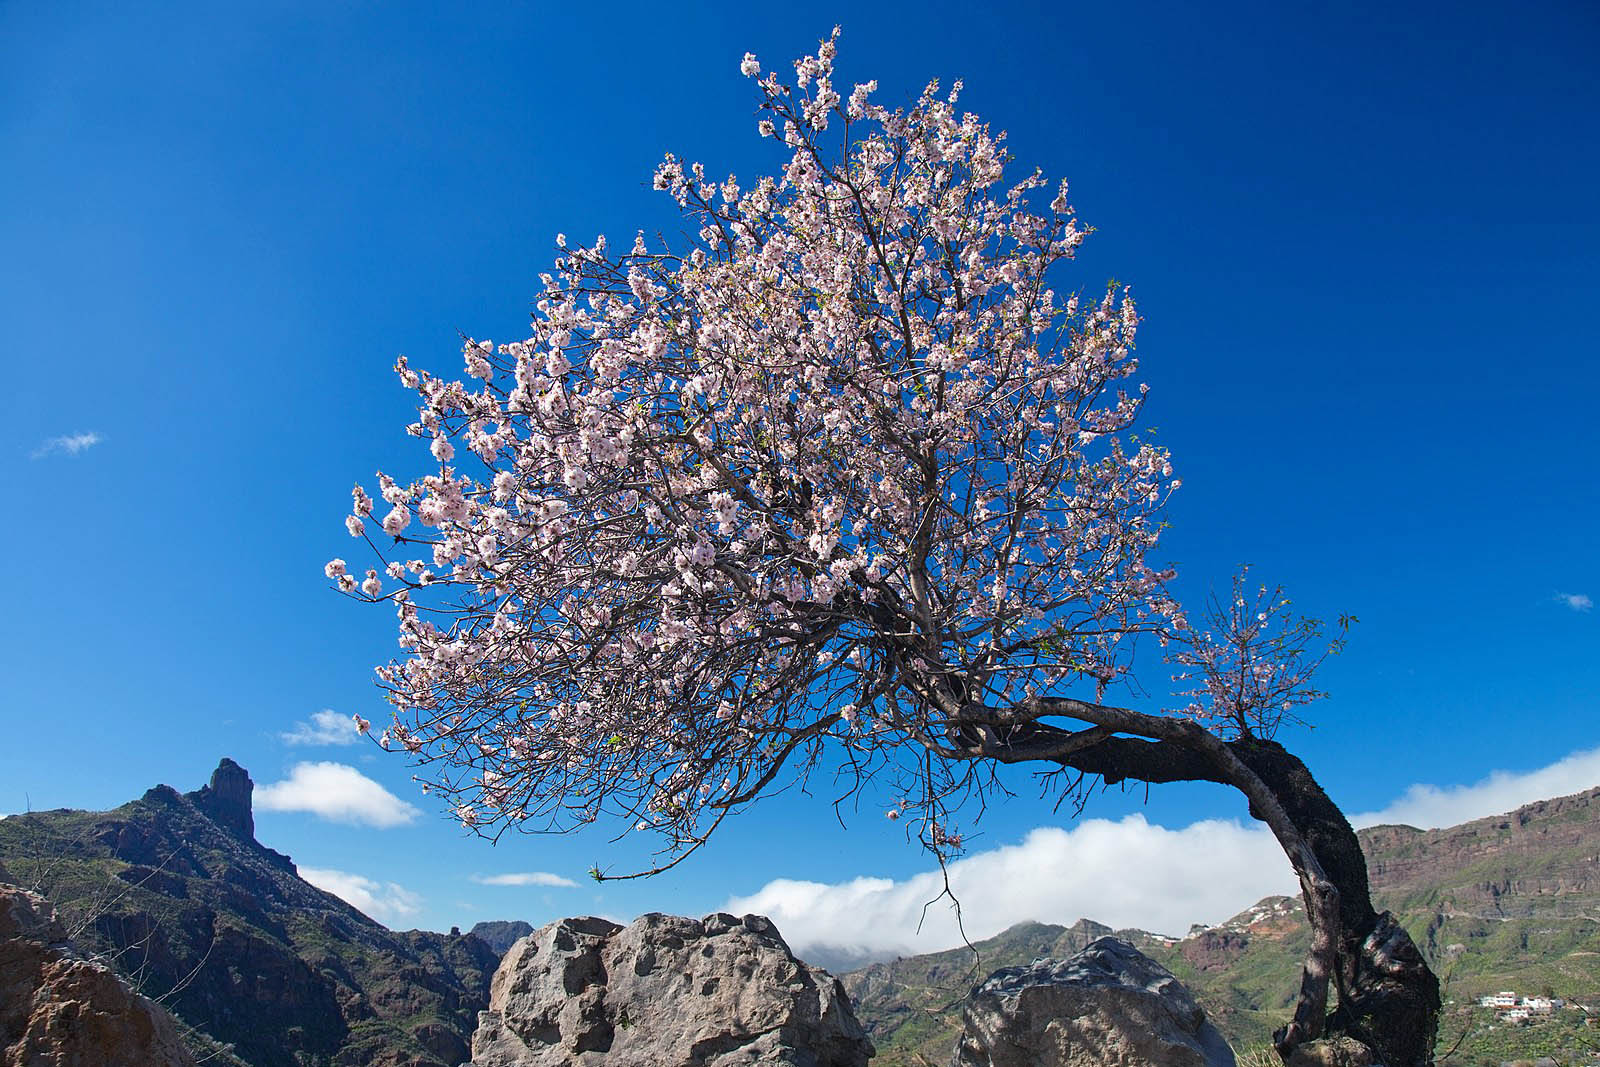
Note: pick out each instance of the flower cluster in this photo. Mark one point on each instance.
(1252, 666)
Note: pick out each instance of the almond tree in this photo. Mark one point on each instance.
(839, 482)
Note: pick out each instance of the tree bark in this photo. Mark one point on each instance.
(1388, 997)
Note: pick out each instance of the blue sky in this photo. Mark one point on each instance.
(1364, 241)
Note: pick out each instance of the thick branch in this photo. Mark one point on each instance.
(1210, 759)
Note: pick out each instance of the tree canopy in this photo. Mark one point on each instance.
(838, 471)
(842, 468)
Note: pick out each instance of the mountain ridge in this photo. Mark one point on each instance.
(176, 892)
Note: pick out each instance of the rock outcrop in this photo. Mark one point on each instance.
(1541, 860)
(501, 934)
(228, 799)
(60, 1010)
(665, 991)
(1107, 1006)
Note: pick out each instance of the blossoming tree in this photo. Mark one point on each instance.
(842, 482)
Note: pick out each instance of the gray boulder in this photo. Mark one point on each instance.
(665, 991)
(1108, 1006)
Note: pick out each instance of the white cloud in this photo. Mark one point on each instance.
(1430, 806)
(526, 878)
(336, 791)
(326, 727)
(70, 444)
(1576, 601)
(385, 901)
(1124, 873)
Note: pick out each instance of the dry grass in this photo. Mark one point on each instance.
(1259, 1056)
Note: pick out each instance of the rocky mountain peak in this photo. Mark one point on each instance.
(227, 799)
(239, 946)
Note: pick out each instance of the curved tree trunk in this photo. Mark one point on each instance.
(1388, 997)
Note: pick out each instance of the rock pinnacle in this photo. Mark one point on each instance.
(227, 798)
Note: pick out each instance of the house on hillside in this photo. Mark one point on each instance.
(1511, 1008)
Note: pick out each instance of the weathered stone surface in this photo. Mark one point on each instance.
(501, 934)
(1107, 1006)
(59, 1010)
(665, 991)
(1341, 1051)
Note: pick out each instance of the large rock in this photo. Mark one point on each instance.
(227, 799)
(1108, 1006)
(501, 934)
(666, 991)
(59, 1010)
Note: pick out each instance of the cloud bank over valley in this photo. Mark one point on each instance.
(1125, 873)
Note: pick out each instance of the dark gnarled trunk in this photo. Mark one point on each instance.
(1388, 996)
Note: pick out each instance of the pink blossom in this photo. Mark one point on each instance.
(396, 520)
